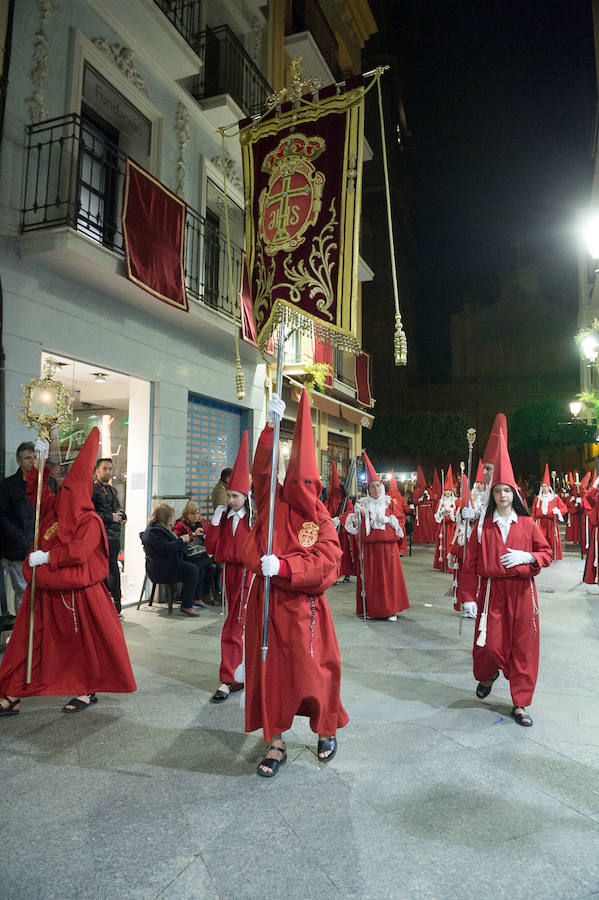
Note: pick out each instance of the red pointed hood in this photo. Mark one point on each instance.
(302, 486)
(239, 479)
(448, 486)
(503, 472)
(74, 500)
(479, 473)
(499, 425)
(420, 479)
(585, 481)
(371, 474)
(335, 495)
(435, 490)
(393, 489)
(546, 479)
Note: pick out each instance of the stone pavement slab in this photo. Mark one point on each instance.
(433, 794)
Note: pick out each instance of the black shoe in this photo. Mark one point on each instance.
(483, 690)
(10, 709)
(272, 764)
(220, 696)
(185, 611)
(327, 744)
(522, 718)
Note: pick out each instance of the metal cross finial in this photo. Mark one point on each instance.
(299, 86)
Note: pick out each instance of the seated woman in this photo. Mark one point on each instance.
(190, 523)
(165, 563)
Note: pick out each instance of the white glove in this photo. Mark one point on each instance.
(555, 511)
(217, 515)
(335, 521)
(578, 501)
(468, 513)
(41, 446)
(516, 558)
(469, 609)
(276, 407)
(38, 558)
(393, 522)
(270, 565)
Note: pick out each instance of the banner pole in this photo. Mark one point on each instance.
(273, 485)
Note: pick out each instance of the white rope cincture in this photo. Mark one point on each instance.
(482, 625)
(312, 623)
(71, 608)
(535, 603)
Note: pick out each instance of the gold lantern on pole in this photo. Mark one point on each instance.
(46, 404)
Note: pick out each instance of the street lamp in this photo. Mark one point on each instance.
(590, 231)
(590, 347)
(575, 408)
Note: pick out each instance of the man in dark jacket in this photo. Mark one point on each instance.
(17, 520)
(106, 503)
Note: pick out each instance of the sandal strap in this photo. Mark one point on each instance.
(282, 750)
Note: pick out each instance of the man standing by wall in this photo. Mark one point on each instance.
(17, 520)
(107, 505)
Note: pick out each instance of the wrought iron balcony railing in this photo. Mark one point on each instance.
(74, 177)
(228, 69)
(185, 16)
(307, 15)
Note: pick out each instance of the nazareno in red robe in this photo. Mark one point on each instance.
(348, 562)
(227, 548)
(548, 522)
(445, 522)
(424, 524)
(590, 505)
(385, 586)
(512, 643)
(302, 671)
(78, 642)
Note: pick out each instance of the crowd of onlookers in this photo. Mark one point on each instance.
(175, 550)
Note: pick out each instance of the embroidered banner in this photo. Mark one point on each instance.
(363, 394)
(154, 236)
(302, 170)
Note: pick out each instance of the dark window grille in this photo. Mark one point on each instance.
(228, 69)
(74, 176)
(185, 16)
(307, 15)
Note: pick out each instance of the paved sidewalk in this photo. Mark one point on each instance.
(433, 794)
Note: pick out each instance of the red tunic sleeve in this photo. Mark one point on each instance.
(315, 572)
(81, 563)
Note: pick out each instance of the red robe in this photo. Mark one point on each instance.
(424, 524)
(549, 523)
(590, 505)
(302, 672)
(512, 643)
(576, 517)
(348, 562)
(227, 548)
(445, 534)
(385, 586)
(78, 642)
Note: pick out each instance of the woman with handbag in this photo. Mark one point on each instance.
(165, 562)
(225, 539)
(195, 551)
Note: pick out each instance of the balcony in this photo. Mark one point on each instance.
(185, 16)
(309, 35)
(230, 84)
(72, 220)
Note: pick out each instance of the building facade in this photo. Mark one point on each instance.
(90, 84)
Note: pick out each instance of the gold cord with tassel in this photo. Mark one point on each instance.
(239, 377)
(400, 343)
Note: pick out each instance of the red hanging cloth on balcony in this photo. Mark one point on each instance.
(154, 236)
(363, 379)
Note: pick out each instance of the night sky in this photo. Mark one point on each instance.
(500, 101)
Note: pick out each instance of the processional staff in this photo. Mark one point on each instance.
(470, 437)
(46, 404)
